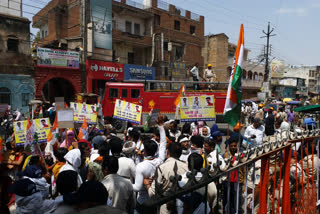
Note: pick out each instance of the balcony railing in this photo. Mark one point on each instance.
(251, 83)
(163, 5)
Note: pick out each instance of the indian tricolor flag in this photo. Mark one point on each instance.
(232, 108)
(181, 94)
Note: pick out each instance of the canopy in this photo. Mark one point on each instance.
(294, 102)
(311, 108)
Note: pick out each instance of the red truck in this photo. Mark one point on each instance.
(153, 99)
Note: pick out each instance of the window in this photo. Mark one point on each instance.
(179, 53)
(5, 96)
(192, 29)
(113, 93)
(128, 27)
(165, 46)
(130, 58)
(176, 25)
(135, 93)
(25, 99)
(124, 93)
(156, 19)
(136, 29)
(46, 33)
(12, 45)
(42, 34)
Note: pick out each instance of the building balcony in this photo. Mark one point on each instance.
(253, 84)
(131, 39)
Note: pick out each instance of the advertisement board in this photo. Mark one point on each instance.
(197, 108)
(57, 58)
(138, 72)
(127, 111)
(41, 125)
(101, 17)
(105, 70)
(83, 110)
(277, 68)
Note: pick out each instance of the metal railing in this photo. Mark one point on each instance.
(273, 186)
(163, 5)
(195, 16)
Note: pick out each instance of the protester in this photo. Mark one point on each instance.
(166, 170)
(174, 131)
(269, 123)
(185, 145)
(94, 172)
(291, 117)
(61, 152)
(217, 137)
(5, 196)
(196, 144)
(255, 132)
(119, 189)
(234, 180)
(148, 166)
(195, 76)
(205, 132)
(69, 140)
(73, 162)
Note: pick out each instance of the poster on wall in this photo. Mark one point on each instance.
(101, 14)
(197, 108)
(57, 58)
(41, 126)
(83, 110)
(127, 111)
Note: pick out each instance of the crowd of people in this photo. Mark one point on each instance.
(105, 173)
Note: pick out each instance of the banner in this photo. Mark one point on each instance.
(57, 58)
(101, 17)
(197, 108)
(138, 72)
(42, 129)
(81, 110)
(127, 111)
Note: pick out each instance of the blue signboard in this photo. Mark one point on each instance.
(138, 72)
(101, 15)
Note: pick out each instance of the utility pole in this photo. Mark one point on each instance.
(266, 84)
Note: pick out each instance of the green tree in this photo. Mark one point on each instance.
(35, 45)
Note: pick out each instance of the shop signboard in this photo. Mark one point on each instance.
(105, 70)
(139, 72)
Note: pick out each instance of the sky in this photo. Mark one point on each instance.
(295, 23)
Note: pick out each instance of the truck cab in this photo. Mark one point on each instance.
(130, 92)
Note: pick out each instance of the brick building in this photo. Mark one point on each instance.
(16, 69)
(219, 52)
(149, 33)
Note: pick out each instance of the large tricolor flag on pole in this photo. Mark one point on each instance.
(232, 108)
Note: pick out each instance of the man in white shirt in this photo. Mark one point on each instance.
(195, 76)
(148, 166)
(255, 132)
(119, 189)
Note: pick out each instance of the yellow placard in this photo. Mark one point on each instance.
(127, 111)
(82, 110)
(41, 125)
(197, 108)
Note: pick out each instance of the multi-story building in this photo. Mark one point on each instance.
(219, 52)
(16, 68)
(131, 35)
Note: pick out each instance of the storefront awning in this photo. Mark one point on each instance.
(312, 108)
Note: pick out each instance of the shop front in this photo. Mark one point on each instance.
(100, 72)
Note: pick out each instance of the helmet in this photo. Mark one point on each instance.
(209, 65)
(260, 105)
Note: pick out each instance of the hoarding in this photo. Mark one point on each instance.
(138, 72)
(127, 111)
(57, 58)
(42, 128)
(82, 110)
(197, 108)
(277, 68)
(101, 15)
(105, 70)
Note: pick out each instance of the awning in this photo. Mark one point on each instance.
(311, 108)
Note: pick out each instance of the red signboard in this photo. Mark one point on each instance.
(105, 70)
